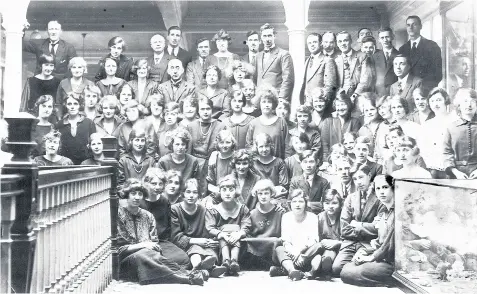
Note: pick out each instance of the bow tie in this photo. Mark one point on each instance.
(176, 84)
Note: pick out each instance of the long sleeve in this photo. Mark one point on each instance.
(448, 152)
(316, 145)
(347, 232)
(226, 109)
(288, 146)
(330, 79)
(30, 46)
(177, 235)
(25, 96)
(211, 220)
(325, 138)
(250, 134)
(283, 179)
(190, 75)
(288, 77)
(246, 221)
(365, 78)
(122, 171)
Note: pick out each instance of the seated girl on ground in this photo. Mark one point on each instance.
(229, 222)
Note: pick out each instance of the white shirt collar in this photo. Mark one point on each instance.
(417, 41)
(460, 81)
(403, 80)
(171, 52)
(389, 51)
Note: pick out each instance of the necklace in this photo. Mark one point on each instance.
(206, 132)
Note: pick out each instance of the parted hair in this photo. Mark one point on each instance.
(401, 101)
(212, 67)
(267, 26)
(77, 97)
(156, 97)
(138, 64)
(303, 138)
(120, 90)
(241, 155)
(117, 40)
(298, 193)
(200, 40)
(332, 194)
(266, 92)
(43, 99)
(172, 174)
(266, 139)
(179, 134)
(443, 92)
(309, 153)
(303, 109)
(409, 142)
(461, 94)
(226, 134)
(236, 92)
(132, 185)
(46, 58)
(337, 148)
(52, 135)
(137, 132)
(111, 101)
(154, 172)
(341, 96)
(264, 184)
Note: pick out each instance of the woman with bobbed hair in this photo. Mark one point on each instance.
(335, 127)
(43, 83)
(319, 101)
(406, 154)
(140, 253)
(433, 131)
(219, 96)
(269, 123)
(225, 58)
(400, 111)
(75, 129)
(238, 71)
(76, 84)
(460, 139)
(108, 123)
(43, 109)
(384, 114)
(142, 85)
(372, 121)
(116, 47)
(110, 84)
(52, 144)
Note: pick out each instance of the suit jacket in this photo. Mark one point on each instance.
(384, 71)
(158, 72)
(376, 169)
(412, 83)
(184, 90)
(195, 73)
(150, 89)
(123, 71)
(427, 62)
(64, 53)
(315, 193)
(277, 71)
(246, 58)
(323, 75)
(352, 211)
(361, 73)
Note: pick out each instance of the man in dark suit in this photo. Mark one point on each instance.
(195, 69)
(406, 82)
(355, 73)
(274, 65)
(383, 62)
(361, 156)
(253, 44)
(62, 51)
(319, 70)
(329, 45)
(362, 32)
(174, 35)
(159, 60)
(175, 89)
(424, 55)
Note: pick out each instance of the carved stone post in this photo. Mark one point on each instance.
(21, 233)
(109, 151)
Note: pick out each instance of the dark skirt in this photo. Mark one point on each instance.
(196, 249)
(147, 265)
(174, 253)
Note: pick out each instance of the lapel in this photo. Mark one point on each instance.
(248, 185)
(337, 129)
(353, 62)
(273, 56)
(340, 68)
(420, 51)
(60, 51)
(389, 65)
(369, 205)
(314, 187)
(197, 67)
(180, 91)
(409, 83)
(320, 58)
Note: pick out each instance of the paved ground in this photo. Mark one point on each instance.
(251, 282)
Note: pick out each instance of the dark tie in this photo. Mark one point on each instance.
(204, 66)
(399, 87)
(386, 55)
(157, 60)
(253, 59)
(363, 200)
(310, 63)
(414, 48)
(345, 62)
(52, 49)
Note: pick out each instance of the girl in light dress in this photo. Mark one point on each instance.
(406, 152)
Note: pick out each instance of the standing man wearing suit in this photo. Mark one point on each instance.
(159, 60)
(329, 45)
(274, 65)
(424, 55)
(319, 70)
(253, 43)
(62, 51)
(406, 82)
(355, 73)
(195, 69)
(175, 89)
(174, 35)
(383, 62)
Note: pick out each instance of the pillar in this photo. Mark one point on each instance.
(296, 12)
(14, 17)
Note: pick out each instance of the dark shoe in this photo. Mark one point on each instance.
(196, 278)
(296, 275)
(207, 263)
(226, 264)
(205, 275)
(277, 271)
(217, 271)
(234, 267)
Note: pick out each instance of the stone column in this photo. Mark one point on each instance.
(296, 12)
(14, 17)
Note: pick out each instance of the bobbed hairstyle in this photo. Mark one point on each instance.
(408, 142)
(178, 134)
(303, 138)
(224, 135)
(304, 109)
(137, 132)
(267, 92)
(229, 181)
(212, 67)
(94, 137)
(46, 58)
(341, 96)
(172, 174)
(461, 94)
(337, 148)
(235, 93)
(43, 99)
(116, 41)
(138, 64)
(52, 135)
(402, 101)
(156, 97)
(205, 100)
(78, 61)
(241, 155)
(265, 138)
(443, 92)
(75, 96)
(331, 195)
(297, 193)
(152, 173)
(125, 86)
(111, 101)
(132, 185)
(265, 184)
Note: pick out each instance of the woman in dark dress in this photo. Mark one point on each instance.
(44, 109)
(43, 83)
(141, 257)
(75, 130)
(52, 144)
(160, 207)
(116, 47)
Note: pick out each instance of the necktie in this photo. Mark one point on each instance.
(310, 63)
(157, 60)
(414, 48)
(203, 63)
(363, 200)
(253, 59)
(52, 48)
(387, 57)
(400, 87)
(345, 62)
(309, 179)
(345, 191)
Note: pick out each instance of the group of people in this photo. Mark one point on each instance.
(214, 168)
